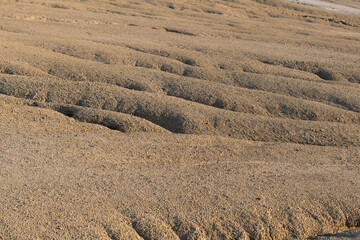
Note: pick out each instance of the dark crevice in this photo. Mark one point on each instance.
(172, 30)
(134, 226)
(110, 234)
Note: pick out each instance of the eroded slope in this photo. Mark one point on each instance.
(192, 84)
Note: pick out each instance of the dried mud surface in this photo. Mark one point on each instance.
(154, 119)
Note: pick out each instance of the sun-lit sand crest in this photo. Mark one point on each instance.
(185, 119)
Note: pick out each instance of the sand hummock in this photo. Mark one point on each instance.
(154, 119)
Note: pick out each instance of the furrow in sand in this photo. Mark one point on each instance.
(182, 116)
(287, 96)
(215, 94)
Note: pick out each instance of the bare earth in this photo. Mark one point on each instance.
(154, 119)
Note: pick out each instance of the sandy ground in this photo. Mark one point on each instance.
(156, 119)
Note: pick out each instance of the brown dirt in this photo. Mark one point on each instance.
(186, 119)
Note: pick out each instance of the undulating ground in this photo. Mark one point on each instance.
(186, 119)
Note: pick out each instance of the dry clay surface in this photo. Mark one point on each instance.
(182, 119)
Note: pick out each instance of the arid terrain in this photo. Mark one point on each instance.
(184, 119)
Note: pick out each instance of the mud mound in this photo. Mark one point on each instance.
(110, 119)
(177, 115)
